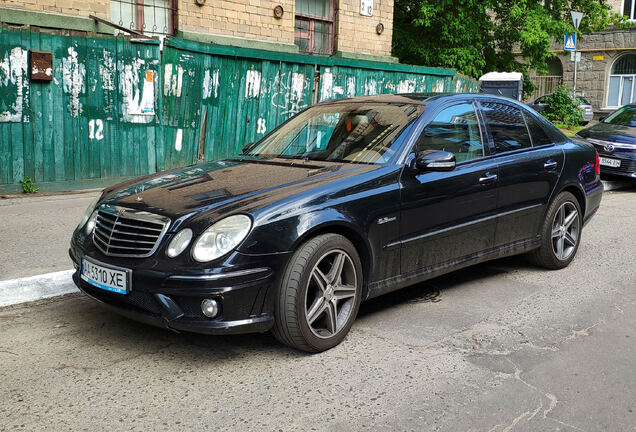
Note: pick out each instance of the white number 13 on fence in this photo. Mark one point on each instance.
(260, 126)
(96, 129)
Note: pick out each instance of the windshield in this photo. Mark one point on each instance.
(343, 132)
(625, 116)
(583, 101)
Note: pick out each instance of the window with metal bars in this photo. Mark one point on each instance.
(628, 9)
(150, 17)
(313, 29)
(622, 80)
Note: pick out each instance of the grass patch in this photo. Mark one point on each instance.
(569, 130)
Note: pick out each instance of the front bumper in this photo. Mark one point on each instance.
(172, 299)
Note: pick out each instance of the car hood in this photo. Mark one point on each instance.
(610, 132)
(243, 184)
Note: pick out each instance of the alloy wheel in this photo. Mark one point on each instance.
(330, 295)
(565, 231)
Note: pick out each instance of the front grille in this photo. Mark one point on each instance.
(125, 232)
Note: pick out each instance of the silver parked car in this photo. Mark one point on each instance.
(588, 112)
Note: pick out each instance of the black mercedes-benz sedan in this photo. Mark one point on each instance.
(615, 140)
(345, 201)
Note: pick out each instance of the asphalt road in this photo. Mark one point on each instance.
(497, 347)
(35, 233)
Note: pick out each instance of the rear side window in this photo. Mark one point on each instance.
(539, 135)
(455, 129)
(507, 127)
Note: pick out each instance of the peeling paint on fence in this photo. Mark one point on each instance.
(173, 80)
(211, 84)
(14, 85)
(406, 86)
(137, 99)
(73, 81)
(252, 84)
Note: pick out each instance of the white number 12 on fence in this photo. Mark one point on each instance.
(96, 129)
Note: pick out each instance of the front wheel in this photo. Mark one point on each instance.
(560, 234)
(319, 294)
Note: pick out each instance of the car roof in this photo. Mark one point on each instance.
(418, 98)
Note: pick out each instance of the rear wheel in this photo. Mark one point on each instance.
(560, 234)
(319, 294)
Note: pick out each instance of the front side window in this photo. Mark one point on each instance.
(150, 17)
(455, 129)
(348, 132)
(313, 28)
(507, 126)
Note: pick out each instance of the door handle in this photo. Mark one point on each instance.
(488, 178)
(550, 165)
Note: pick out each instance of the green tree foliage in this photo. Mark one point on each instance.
(561, 107)
(479, 36)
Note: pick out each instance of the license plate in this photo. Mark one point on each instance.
(614, 163)
(113, 279)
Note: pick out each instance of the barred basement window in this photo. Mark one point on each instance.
(622, 81)
(313, 30)
(150, 17)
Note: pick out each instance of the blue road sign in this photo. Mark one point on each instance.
(569, 42)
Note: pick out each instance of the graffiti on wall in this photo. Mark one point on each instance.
(288, 93)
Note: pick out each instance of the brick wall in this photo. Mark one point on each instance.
(251, 19)
(239, 18)
(357, 33)
(615, 5)
(81, 8)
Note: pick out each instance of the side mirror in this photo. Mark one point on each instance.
(434, 160)
(246, 148)
(601, 119)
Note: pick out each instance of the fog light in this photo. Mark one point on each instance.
(210, 308)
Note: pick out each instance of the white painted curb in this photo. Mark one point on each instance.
(38, 287)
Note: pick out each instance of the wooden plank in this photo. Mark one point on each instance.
(6, 174)
(28, 147)
(58, 46)
(16, 131)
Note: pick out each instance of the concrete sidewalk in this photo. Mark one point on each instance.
(34, 238)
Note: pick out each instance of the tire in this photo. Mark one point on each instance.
(560, 233)
(312, 292)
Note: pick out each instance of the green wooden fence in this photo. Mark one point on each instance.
(118, 108)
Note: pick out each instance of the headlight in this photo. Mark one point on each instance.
(179, 242)
(90, 225)
(88, 212)
(221, 238)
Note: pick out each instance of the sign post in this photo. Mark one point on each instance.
(576, 21)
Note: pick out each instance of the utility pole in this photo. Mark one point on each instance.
(576, 21)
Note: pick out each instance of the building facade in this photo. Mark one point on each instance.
(346, 28)
(606, 72)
